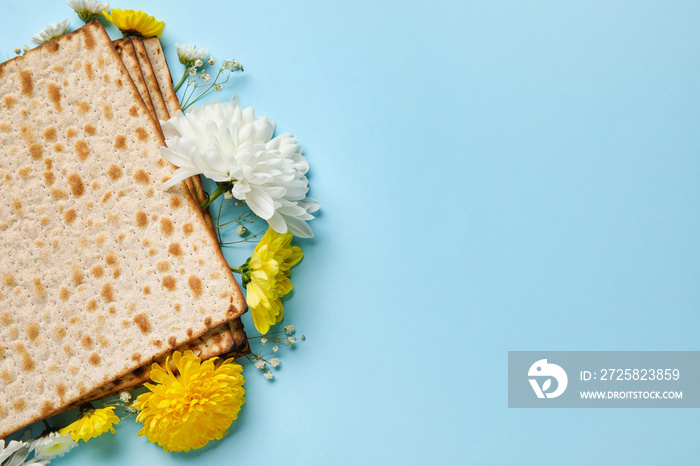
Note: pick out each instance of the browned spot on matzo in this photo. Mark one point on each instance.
(39, 289)
(141, 133)
(169, 282)
(9, 279)
(83, 107)
(55, 95)
(187, 228)
(142, 321)
(162, 266)
(107, 110)
(49, 177)
(59, 331)
(111, 258)
(88, 70)
(63, 293)
(76, 184)
(86, 341)
(11, 100)
(71, 132)
(36, 151)
(19, 404)
(175, 249)
(141, 218)
(107, 292)
(97, 271)
(146, 289)
(82, 149)
(89, 129)
(33, 331)
(195, 285)
(58, 193)
(133, 110)
(91, 304)
(26, 82)
(141, 176)
(50, 133)
(114, 171)
(24, 171)
(94, 359)
(58, 147)
(166, 226)
(76, 275)
(69, 215)
(120, 141)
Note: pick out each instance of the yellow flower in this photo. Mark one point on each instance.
(266, 277)
(185, 411)
(93, 424)
(135, 23)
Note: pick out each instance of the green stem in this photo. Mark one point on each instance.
(220, 189)
(182, 80)
(236, 269)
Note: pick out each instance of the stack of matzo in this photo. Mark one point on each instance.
(101, 271)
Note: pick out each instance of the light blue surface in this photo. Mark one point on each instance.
(494, 176)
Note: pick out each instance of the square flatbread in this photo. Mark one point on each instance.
(102, 271)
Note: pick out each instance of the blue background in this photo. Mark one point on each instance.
(494, 176)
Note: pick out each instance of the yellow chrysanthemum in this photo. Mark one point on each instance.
(93, 424)
(266, 277)
(187, 410)
(135, 23)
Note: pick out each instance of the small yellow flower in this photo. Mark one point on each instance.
(266, 277)
(92, 424)
(187, 410)
(135, 23)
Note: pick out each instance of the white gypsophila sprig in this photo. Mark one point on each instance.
(52, 445)
(88, 10)
(51, 32)
(228, 144)
(189, 53)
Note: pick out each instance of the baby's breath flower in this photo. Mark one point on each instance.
(88, 10)
(206, 77)
(190, 54)
(198, 63)
(225, 65)
(275, 349)
(192, 71)
(269, 375)
(263, 340)
(25, 47)
(241, 230)
(211, 60)
(228, 195)
(303, 338)
(289, 329)
(260, 364)
(51, 32)
(18, 50)
(291, 340)
(125, 396)
(275, 362)
(218, 87)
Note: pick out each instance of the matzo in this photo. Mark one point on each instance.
(90, 241)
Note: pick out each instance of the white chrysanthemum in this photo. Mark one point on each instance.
(226, 143)
(7, 451)
(188, 54)
(51, 32)
(88, 10)
(52, 445)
